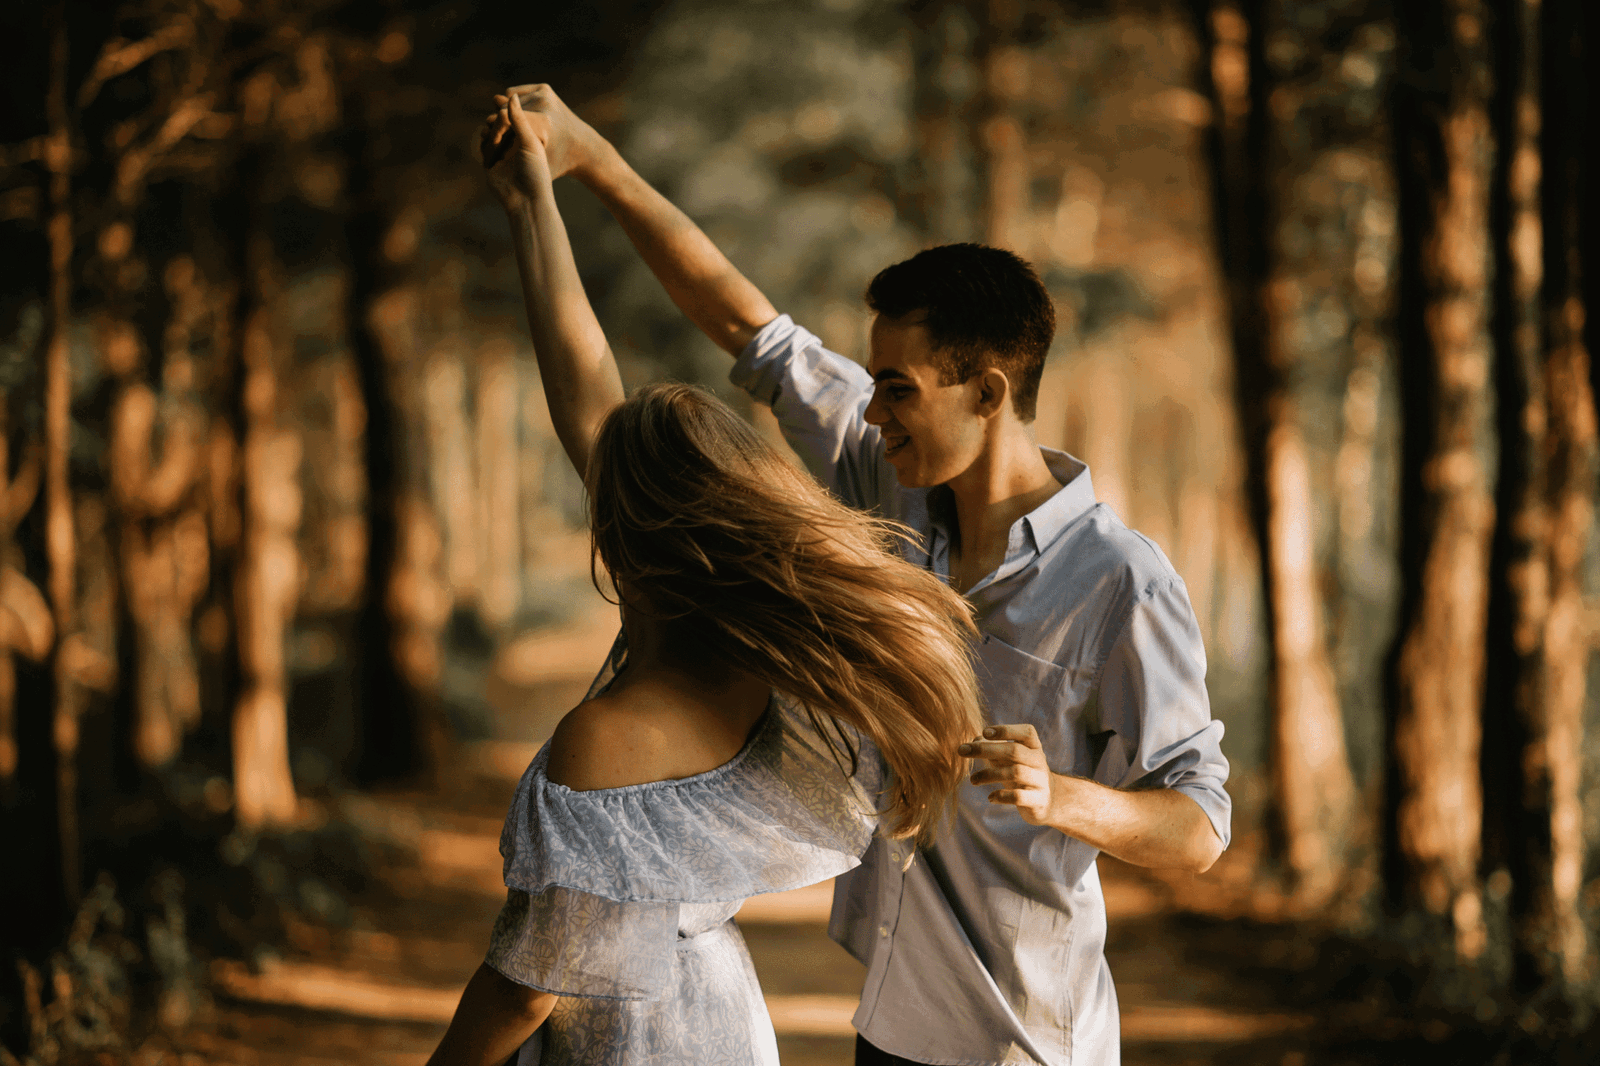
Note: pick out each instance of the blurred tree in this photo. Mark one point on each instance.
(26, 626)
(1444, 152)
(1002, 143)
(944, 200)
(154, 428)
(60, 549)
(1537, 688)
(1296, 166)
(267, 579)
(406, 604)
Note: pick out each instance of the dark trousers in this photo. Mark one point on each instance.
(867, 1055)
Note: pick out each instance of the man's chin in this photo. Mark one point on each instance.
(912, 478)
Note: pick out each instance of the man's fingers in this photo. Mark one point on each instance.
(1004, 751)
(1021, 733)
(1003, 795)
(532, 91)
(996, 775)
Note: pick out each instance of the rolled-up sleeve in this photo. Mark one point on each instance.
(818, 397)
(1154, 704)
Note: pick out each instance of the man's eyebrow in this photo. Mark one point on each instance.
(891, 374)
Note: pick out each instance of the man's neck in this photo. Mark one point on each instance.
(1009, 479)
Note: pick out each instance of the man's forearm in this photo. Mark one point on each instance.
(707, 288)
(1159, 828)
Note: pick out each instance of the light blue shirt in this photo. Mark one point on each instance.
(988, 947)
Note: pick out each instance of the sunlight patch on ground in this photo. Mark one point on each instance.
(812, 1015)
(1169, 1024)
(807, 905)
(324, 988)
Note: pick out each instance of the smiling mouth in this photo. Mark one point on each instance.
(892, 445)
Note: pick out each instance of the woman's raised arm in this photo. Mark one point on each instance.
(581, 383)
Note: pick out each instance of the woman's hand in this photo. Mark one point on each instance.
(513, 148)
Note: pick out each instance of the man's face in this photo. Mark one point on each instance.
(932, 433)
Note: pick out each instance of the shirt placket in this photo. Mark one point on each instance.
(891, 896)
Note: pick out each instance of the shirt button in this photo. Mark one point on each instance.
(883, 930)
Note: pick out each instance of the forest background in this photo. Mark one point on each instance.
(280, 505)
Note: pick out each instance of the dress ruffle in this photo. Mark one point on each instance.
(783, 813)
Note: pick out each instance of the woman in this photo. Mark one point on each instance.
(769, 635)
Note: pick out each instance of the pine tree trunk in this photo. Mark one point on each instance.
(1553, 524)
(945, 202)
(495, 407)
(405, 602)
(28, 628)
(1003, 147)
(266, 575)
(1259, 188)
(60, 548)
(1444, 151)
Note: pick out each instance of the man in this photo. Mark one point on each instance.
(988, 947)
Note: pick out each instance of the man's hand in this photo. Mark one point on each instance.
(571, 144)
(1016, 761)
(698, 277)
(515, 154)
(1156, 827)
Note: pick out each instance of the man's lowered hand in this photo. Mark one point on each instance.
(1016, 763)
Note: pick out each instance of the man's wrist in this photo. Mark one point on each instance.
(1066, 800)
(602, 168)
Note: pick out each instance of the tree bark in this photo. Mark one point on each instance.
(405, 604)
(495, 407)
(1003, 147)
(1258, 189)
(266, 575)
(945, 203)
(26, 625)
(1551, 453)
(1444, 151)
(60, 549)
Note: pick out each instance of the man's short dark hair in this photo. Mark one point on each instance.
(984, 307)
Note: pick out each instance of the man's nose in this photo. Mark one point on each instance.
(877, 412)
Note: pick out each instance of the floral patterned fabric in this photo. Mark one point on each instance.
(621, 900)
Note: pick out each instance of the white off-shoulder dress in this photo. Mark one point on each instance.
(621, 900)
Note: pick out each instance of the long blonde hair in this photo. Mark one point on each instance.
(779, 579)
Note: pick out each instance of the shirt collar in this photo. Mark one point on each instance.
(1031, 533)
(1074, 499)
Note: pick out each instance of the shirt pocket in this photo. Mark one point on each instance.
(1018, 687)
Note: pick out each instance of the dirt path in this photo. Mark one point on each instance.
(381, 991)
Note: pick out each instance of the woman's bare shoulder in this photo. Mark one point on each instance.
(602, 743)
(618, 740)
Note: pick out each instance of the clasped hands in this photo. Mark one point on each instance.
(1015, 760)
(531, 138)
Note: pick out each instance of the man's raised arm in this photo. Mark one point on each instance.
(705, 286)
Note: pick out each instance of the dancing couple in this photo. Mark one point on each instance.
(811, 668)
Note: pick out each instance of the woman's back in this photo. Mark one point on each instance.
(622, 891)
(654, 724)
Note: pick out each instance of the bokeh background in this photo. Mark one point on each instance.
(293, 577)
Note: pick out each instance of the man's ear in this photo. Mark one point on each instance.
(994, 392)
